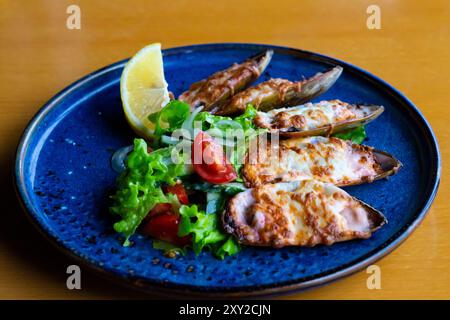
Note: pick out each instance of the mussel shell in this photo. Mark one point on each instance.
(212, 92)
(262, 59)
(376, 218)
(230, 215)
(317, 85)
(388, 163)
(310, 88)
(375, 112)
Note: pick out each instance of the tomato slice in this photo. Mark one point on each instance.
(160, 208)
(162, 223)
(165, 227)
(210, 162)
(179, 191)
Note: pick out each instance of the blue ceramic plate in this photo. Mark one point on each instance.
(63, 176)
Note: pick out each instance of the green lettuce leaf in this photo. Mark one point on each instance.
(139, 187)
(246, 119)
(205, 231)
(356, 135)
(209, 121)
(229, 247)
(169, 118)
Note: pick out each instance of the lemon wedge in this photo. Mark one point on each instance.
(143, 88)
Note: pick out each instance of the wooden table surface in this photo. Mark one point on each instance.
(39, 56)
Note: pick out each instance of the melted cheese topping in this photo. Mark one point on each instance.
(304, 213)
(310, 116)
(326, 159)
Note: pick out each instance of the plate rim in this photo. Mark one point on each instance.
(284, 287)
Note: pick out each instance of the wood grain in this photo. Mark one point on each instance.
(39, 56)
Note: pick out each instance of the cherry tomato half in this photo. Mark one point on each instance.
(179, 191)
(210, 162)
(160, 208)
(165, 227)
(162, 223)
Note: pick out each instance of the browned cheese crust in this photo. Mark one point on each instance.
(326, 159)
(308, 214)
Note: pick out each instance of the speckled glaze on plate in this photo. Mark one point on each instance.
(63, 177)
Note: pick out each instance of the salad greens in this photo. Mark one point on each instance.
(216, 198)
(139, 186)
(230, 247)
(169, 118)
(233, 134)
(244, 121)
(206, 232)
(356, 135)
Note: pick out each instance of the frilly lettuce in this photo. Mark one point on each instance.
(205, 231)
(139, 187)
(169, 118)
